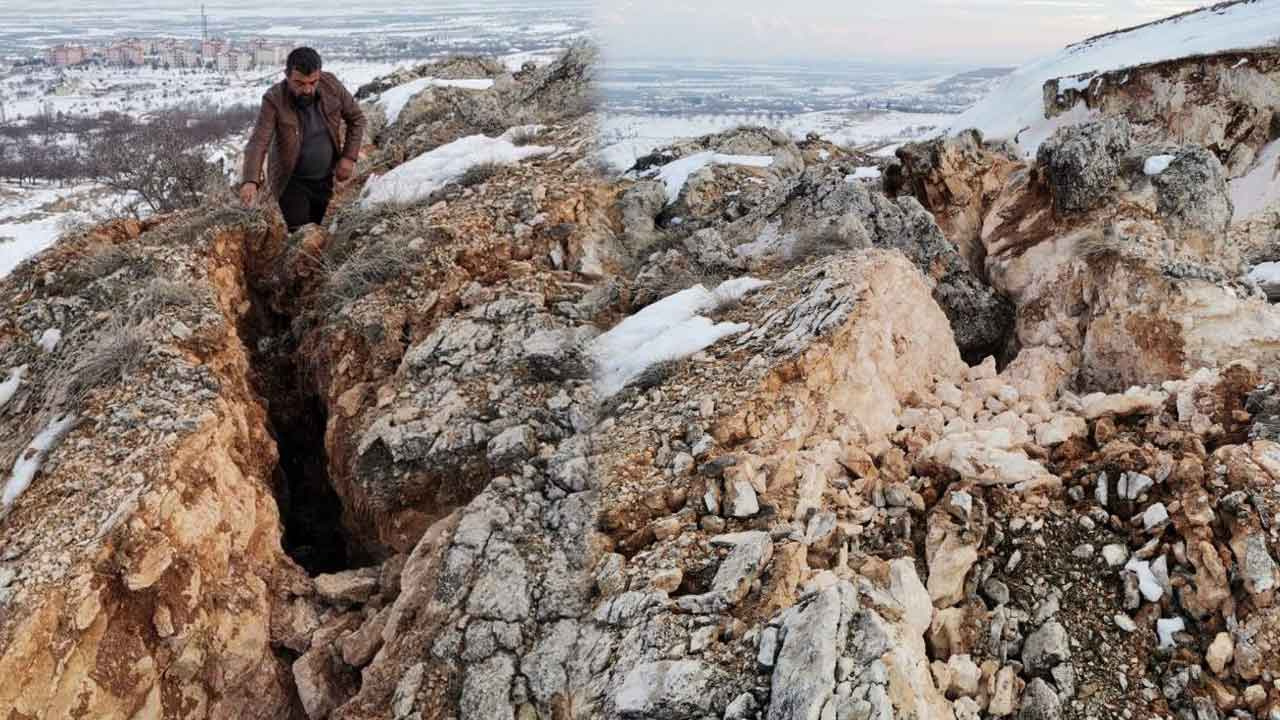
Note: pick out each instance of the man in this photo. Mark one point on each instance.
(305, 114)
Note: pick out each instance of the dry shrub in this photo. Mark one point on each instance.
(161, 294)
(114, 352)
(362, 272)
(477, 174)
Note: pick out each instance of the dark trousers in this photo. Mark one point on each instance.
(304, 201)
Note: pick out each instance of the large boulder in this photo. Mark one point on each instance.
(1081, 163)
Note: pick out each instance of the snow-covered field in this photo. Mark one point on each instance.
(31, 219)
(1016, 103)
(138, 91)
(624, 137)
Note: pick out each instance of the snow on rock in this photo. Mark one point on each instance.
(1267, 277)
(676, 173)
(10, 386)
(1017, 102)
(432, 170)
(50, 339)
(1259, 188)
(1156, 164)
(667, 330)
(863, 173)
(393, 100)
(29, 462)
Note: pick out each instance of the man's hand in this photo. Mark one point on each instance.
(248, 193)
(346, 168)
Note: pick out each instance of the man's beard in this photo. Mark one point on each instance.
(303, 100)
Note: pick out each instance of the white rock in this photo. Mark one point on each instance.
(1060, 429)
(1166, 627)
(1147, 583)
(1155, 516)
(1133, 485)
(1134, 401)
(742, 499)
(1115, 554)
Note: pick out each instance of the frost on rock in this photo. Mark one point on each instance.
(29, 462)
(417, 179)
(667, 330)
(10, 386)
(393, 100)
(50, 339)
(676, 173)
(1156, 164)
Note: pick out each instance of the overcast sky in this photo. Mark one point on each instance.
(964, 31)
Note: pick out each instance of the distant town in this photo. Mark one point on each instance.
(215, 54)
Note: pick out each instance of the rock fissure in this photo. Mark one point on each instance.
(310, 509)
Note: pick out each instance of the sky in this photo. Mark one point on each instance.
(1003, 32)
(1006, 32)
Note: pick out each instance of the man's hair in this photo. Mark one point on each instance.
(304, 59)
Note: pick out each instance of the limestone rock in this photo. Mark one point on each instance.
(1082, 162)
(671, 690)
(347, 587)
(1046, 647)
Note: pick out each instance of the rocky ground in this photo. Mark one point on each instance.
(989, 438)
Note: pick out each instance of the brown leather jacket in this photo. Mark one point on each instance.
(277, 118)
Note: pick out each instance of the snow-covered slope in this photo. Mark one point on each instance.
(1017, 102)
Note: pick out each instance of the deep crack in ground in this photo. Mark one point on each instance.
(310, 509)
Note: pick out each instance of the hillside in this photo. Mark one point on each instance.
(768, 429)
(1014, 107)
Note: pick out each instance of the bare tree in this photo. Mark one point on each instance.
(156, 161)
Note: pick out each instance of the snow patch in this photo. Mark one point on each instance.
(1156, 164)
(667, 330)
(863, 173)
(1259, 188)
(10, 386)
(29, 462)
(393, 100)
(430, 171)
(1079, 84)
(49, 339)
(676, 173)
(1265, 276)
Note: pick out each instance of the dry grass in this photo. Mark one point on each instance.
(98, 262)
(477, 174)
(523, 135)
(160, 295)
(1096, 246)
(115, 351)
(362, 272)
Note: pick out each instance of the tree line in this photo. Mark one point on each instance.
(161, 159)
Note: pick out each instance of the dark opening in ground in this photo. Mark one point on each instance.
(310, 509)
